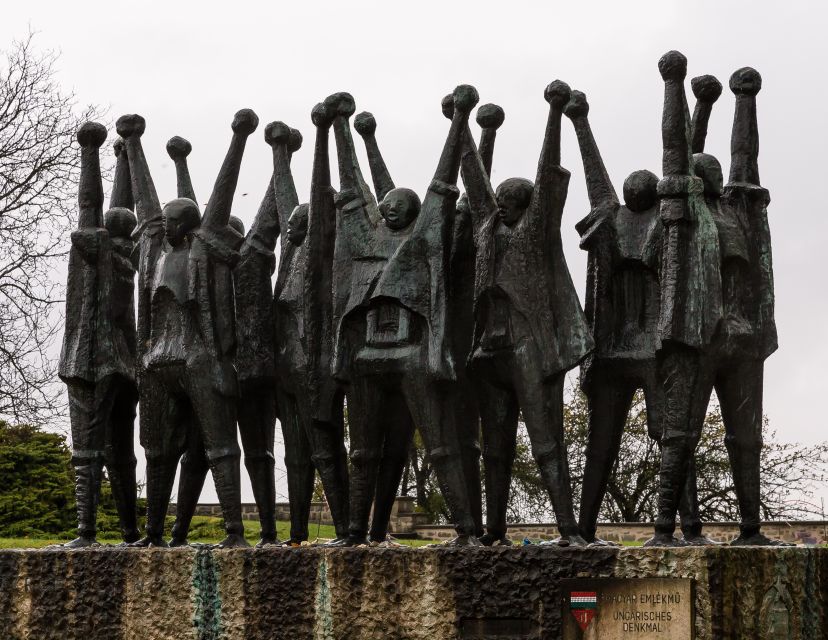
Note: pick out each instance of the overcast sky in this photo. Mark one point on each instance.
(188, 66)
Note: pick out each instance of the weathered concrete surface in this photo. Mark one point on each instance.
(386, 594)
(796, 531)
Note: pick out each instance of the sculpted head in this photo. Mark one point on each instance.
(237, 225)
(120, 223)
(640, 190)
(709, 170)
(399, 208)
(513, 198)
(297, 225)
(181, 216)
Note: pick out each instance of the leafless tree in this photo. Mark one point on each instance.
(39, 167)
(791, 473)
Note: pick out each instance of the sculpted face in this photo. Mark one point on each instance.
(297, 225)
(399, 208)
(180, 217)
(120, 223)
(513, 198)
(640, 191)
(710, 171)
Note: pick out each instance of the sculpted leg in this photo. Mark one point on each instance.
(364, 406)
(498, 418)
(163, 437)
(467, 419)
(257, 426)
(740, 395)
(399, 431)
(193, 473)
(331, 461)
(300, 471)
(686, 387)
(542, 406)
(609, 400)
(432, 409)
(87, 459)
(120, 458)
(216, 414)
(691, 525)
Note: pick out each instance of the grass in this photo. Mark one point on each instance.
(204, 529)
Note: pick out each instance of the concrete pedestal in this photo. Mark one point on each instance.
(385, 594)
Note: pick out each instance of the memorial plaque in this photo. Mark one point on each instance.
(642, 608)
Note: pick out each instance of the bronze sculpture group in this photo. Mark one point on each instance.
(439, 312)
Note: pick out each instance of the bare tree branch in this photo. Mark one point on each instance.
(39, 168)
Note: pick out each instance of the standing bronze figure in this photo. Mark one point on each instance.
(490, 117)
(256, 411)
(97, 360)
(529, 326)
(691, 299)
(623, 297)
(310, 405)
(747, 333)
(188, 380)
(392, 346)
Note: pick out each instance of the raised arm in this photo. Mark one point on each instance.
(479, 192)
(321, 189)
(91, 136)
(744, 141)
(490, 117)
(265, 229)
(675, 120)
(278, 135)
(366, 127)
(596, 228)
(178, 149)
(465, 97)
(320, 240)
(707, 90)
(552, 180)
(351, 182)
(599, 185)
(147, 208)
(122, 184)
(217, 212)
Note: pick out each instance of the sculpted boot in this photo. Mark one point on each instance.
(334, 474)
(227, 478)
(160, 478)
(300, 493)
(388, 482)
(498, 472)
(125, 493)
(555, 475)
(260, 470)
(448, 468)
(88, 472)
(194, 468)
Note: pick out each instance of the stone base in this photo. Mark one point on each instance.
(385, 594)
(795, 531)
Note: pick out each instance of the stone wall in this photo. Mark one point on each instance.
(387, 594)
(404, 519)
(798, 531)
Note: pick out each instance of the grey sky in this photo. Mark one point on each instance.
(188, 66)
